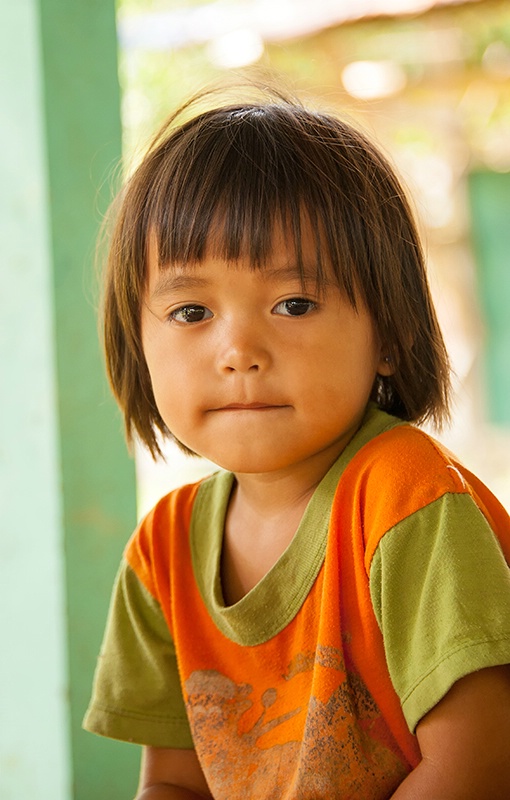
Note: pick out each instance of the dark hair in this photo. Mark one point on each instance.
(242, 167)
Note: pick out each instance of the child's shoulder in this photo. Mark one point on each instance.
(401, 454)
(402, 476)
(401, 470)
(390, 453)
(168, 520)
(177, 506)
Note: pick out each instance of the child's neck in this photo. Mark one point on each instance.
(263, 516)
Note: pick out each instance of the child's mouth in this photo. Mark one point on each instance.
(250, 407)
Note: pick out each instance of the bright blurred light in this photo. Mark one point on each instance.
(368, 80)
(236, 48)
(431, 178)
(399, 6)
(496, 60)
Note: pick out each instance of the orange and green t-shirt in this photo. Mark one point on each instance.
(395, 585)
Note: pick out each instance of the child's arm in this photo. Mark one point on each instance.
(171, 775)
(465, 743)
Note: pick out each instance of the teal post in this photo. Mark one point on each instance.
(34, 746)
(68, 487)
(490, 205)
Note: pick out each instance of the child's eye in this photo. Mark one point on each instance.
(190, 314)
(294, 307)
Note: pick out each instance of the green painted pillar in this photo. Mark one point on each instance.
(34, 747)
(490, 205)
(67, 487)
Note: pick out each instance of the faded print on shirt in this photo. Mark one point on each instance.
(281, 746)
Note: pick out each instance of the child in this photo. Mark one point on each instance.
(329, 616)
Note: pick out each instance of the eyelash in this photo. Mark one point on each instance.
(184, 313)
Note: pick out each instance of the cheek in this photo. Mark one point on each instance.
(175, 383)
(155, 365)
(156, 348)
(350, 366)
(159, 364)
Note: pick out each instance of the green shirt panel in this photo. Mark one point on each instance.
(440, 587)
(137, 695)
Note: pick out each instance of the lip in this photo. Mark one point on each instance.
(250, 407)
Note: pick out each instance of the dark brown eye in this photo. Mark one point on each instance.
(190, 314)
(294, 307)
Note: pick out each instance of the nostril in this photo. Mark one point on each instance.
(242, 356)
(251, 368)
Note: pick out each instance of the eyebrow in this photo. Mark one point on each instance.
(170, 281)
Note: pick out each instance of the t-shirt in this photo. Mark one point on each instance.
(395, 585)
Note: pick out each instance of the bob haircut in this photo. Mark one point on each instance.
(223, 178)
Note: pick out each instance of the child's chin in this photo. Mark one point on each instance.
(253, 463)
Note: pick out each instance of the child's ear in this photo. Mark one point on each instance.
(386, 364)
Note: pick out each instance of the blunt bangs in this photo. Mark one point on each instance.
(221, 183)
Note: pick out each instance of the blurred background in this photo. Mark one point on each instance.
(82, 87)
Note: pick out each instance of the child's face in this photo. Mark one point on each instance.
(251, 369)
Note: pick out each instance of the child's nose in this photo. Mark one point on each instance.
(243, 350)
